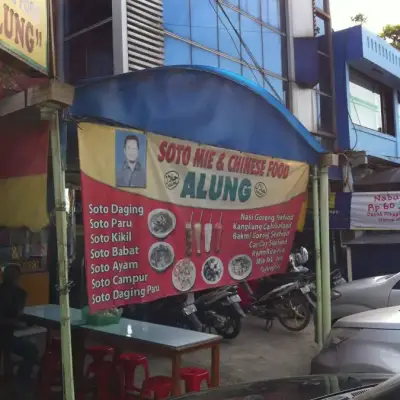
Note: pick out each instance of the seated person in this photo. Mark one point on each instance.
(12, 303)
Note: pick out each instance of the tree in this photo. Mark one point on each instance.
(391, 33)
(359, 19)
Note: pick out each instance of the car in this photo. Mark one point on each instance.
(367, 342)
(337, 387)
(365, 294)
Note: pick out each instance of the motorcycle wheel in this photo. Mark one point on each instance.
(232, 327)
(297, 308)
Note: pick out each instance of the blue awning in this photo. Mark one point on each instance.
(201, 104)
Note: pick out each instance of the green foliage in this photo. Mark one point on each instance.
(391, 33)
(359, 19)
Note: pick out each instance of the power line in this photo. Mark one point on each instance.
(253, 59)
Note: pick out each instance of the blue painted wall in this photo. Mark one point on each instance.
(367, 53)
(198, 35)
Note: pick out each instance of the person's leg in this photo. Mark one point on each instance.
(30, 355)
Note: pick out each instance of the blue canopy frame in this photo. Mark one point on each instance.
(202, 104)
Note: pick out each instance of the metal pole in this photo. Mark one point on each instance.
(349, 264)
(61, 226)
(317, 240)
(325, 253)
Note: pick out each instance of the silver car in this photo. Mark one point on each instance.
(368, 342)
(365, 294)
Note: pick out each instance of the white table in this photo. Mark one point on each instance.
(143, 337)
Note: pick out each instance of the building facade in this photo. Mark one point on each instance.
(367, 78)
(368, 98)
(253, 38)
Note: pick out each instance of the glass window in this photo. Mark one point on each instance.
(230, 65)
(251, 34)
(320, 33)
(251, 7)
(204, 23)
(272, 51)
(204, 57)
(176, 51)
(324, 74)
(82, 14)
(233, 2)
(365, 102)
(272, 12)
(177, 17)
(228, 41)
(320, 4)
(324, 113)
(253, 75)
(279, 87)
(90, 55)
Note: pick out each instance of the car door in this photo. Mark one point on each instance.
(394, 296)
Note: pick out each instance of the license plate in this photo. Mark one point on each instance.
(234, 299)
(305, 289)
(188, 310)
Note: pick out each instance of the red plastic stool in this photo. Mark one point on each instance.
(127, 364)
(194, 377)
(50, 374)
(159, 386)
(98, 374)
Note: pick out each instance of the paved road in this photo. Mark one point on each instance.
(256, 354)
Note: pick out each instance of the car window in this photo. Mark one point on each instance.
(397, 286)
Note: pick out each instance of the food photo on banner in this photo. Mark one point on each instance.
(164, 216)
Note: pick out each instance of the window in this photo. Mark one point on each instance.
(204, 24)
(324, 112)
(320, 32)
(177, 17)
(371, 104)
(81, 14)
(90, 54)
(323, 91)
(274, 52)
(320, 4)
(273, 13)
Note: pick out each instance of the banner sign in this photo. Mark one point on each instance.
(23, 175)
(372, 210)
(339, 211)
(164, 216)
(24, 31)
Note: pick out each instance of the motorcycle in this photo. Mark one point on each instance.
(178, 311)
(285, 302)
(220, 309)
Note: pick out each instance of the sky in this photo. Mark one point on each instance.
(378, 13)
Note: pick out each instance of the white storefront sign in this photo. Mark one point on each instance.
(375, 210)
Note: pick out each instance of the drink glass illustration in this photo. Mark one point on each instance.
(189, 236)
(208, 229)
(218, 234)
(197, 234)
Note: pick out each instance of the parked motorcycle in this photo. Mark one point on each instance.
(285, 302)
(179, 311)
(220, 309)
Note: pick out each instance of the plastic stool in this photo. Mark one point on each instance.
(159, 386)
(127, 364)
(194, 377)
(98, 374)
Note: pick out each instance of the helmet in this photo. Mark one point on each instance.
(301, 256)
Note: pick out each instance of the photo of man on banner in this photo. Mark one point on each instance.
(130, 159)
